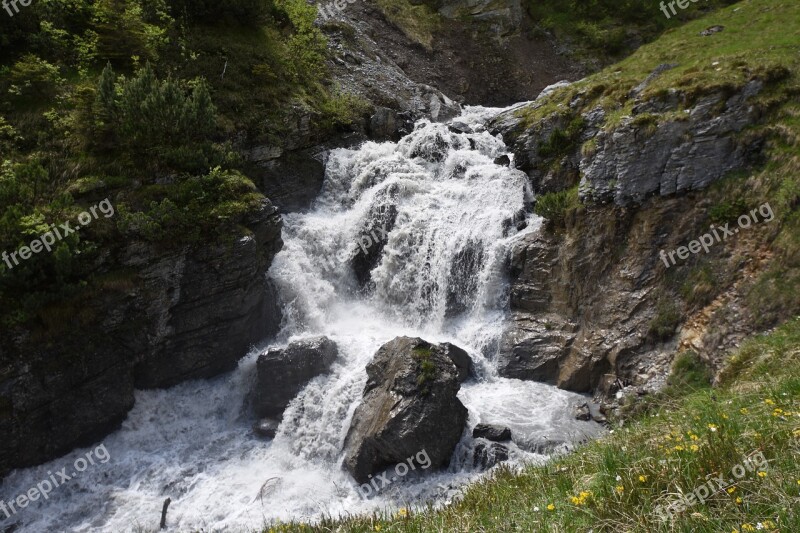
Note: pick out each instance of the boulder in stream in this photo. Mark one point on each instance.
(283, 373)
(410, 405)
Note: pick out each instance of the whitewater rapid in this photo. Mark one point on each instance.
(450, 215)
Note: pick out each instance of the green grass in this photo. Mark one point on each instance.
(750, 47)
(606, 29)
(427, 368)
(418, 22)
(555, 206)
(620, 482)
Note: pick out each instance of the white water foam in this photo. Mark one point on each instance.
(441, 276)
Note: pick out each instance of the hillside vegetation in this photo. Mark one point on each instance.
(691, 433)
(146, 103)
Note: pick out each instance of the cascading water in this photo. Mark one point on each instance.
(407, 238)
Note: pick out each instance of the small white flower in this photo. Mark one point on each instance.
(759, 526)
(619, 478)
(535, 509)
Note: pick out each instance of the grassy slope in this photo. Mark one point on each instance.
(620, 482)
(691, 432)
(761, 41)
(55, 160)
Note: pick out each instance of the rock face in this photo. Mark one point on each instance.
(410, 404)
(691, 153)
(282, 374)
(591, 302)
(184, 314)
(492, 433)
(488, 454)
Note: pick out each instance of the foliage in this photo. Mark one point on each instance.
(427, 368)
(607, 28)
(418, 21)
(666, 319)
(554, 206)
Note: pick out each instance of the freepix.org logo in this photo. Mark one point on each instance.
(10, 5)
(48, 240)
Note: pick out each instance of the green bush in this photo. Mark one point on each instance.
(554, 205)
(667, 318)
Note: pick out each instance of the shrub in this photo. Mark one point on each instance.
(555, 205)
(667, 318)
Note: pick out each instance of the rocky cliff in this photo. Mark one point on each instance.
(179, 314)
(597, 304)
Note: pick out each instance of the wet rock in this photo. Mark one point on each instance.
(549, 446)
(410, 404)
(503, 161)
(459, 127)
(186, 313)
(282, 374)
(389, 125)
(372, 240)
(460, 358)
(266, 428)
(462, 286)
(492, 433)
(582, 412)
(489, 454)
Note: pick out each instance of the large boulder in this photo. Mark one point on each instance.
(282, 374)
(410, 405)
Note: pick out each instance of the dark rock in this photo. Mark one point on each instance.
(372, 240)
(462, 284)
(582, 412)
(407, 408)
(461, 359)
(534, 347)
(220, 312)
(459, 127)
(487, 455)
(266, 428)
(492, 433)
(503, 161)
(184, 313)
(282, 374)
(690, 154)
(387, 124)
(292, 180)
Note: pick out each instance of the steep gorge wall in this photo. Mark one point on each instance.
(187, 313)
(594, 306)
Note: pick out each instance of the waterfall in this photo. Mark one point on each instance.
(408, 238)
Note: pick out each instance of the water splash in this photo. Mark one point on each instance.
(407, 238)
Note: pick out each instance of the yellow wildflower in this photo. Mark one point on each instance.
(402, 513)
(642, 478)
(620, 489)
(551, 507)
(731, 490)
(762, 474)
